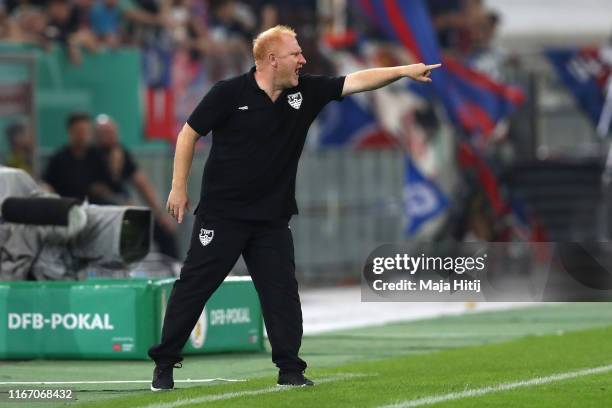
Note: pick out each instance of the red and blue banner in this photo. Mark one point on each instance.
(352, 124)
(159, 101)
(586, 73)
(473, 101)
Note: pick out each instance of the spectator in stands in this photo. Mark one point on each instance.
(58, 25)
(78, 169)
(225, 45)
(80, 16)
(454, 21)
(189, 30)
(147, 21)
(61, 29)
(486, 57)
(447, 20)
(268, 13)
(27, 25)
(11, 5)
(106, 19)
(232, 19)
(4, 22)
(124, 171)
(104, 22)
(79, 25)
(148, 12)
(21, 145)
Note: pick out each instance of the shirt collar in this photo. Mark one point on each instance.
(251, 78)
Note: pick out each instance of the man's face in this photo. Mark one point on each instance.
(59, 11)
(106, 135)
(79, 133)
(24, 141)
(290, 61)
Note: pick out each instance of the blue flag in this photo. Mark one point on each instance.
(586, 72)
(351, 123)
(423, 199)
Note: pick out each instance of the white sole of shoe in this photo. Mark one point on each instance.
(291, 385)
(160, 389)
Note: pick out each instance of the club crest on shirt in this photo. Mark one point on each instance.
(206, 236)
(295, 100)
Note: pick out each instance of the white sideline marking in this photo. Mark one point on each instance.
(230, 395)
(204, 380)
(434, 399)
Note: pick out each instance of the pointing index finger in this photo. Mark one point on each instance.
(434, 66)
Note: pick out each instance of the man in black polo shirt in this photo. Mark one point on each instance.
(259, 122)
(77, 170)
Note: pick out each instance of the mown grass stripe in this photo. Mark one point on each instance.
(236, 394)
(434, 399)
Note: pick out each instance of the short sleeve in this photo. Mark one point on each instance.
(211, 110)
(324, 89)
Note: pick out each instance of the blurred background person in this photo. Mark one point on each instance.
(106, 20)
(124, 173)
(21, 147)
(27, 25)
(65, 28)
(11, 5)
(78, 170)
(485, 55)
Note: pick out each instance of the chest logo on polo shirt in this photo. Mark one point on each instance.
(206, 236)
(295, 100)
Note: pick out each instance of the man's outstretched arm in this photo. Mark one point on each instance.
(370, 79)
(178, 200)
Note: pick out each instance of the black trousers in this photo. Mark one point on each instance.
(267, 248)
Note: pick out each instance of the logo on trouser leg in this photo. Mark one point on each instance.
(206, 236)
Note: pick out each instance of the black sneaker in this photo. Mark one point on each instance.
(293, 379)
(162, 377)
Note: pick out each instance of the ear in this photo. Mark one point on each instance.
(272, 60)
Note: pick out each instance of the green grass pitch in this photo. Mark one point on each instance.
(544, 356)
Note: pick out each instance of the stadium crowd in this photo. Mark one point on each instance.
(211, 27)
(219, 32)
(218, 28)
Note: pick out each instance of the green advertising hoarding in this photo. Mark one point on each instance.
(119, 319)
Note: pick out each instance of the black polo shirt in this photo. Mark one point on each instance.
(256, 144)
(72, 176)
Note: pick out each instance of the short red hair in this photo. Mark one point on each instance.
(266, 40)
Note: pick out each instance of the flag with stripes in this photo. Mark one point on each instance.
(472, 100)
(586, 73)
